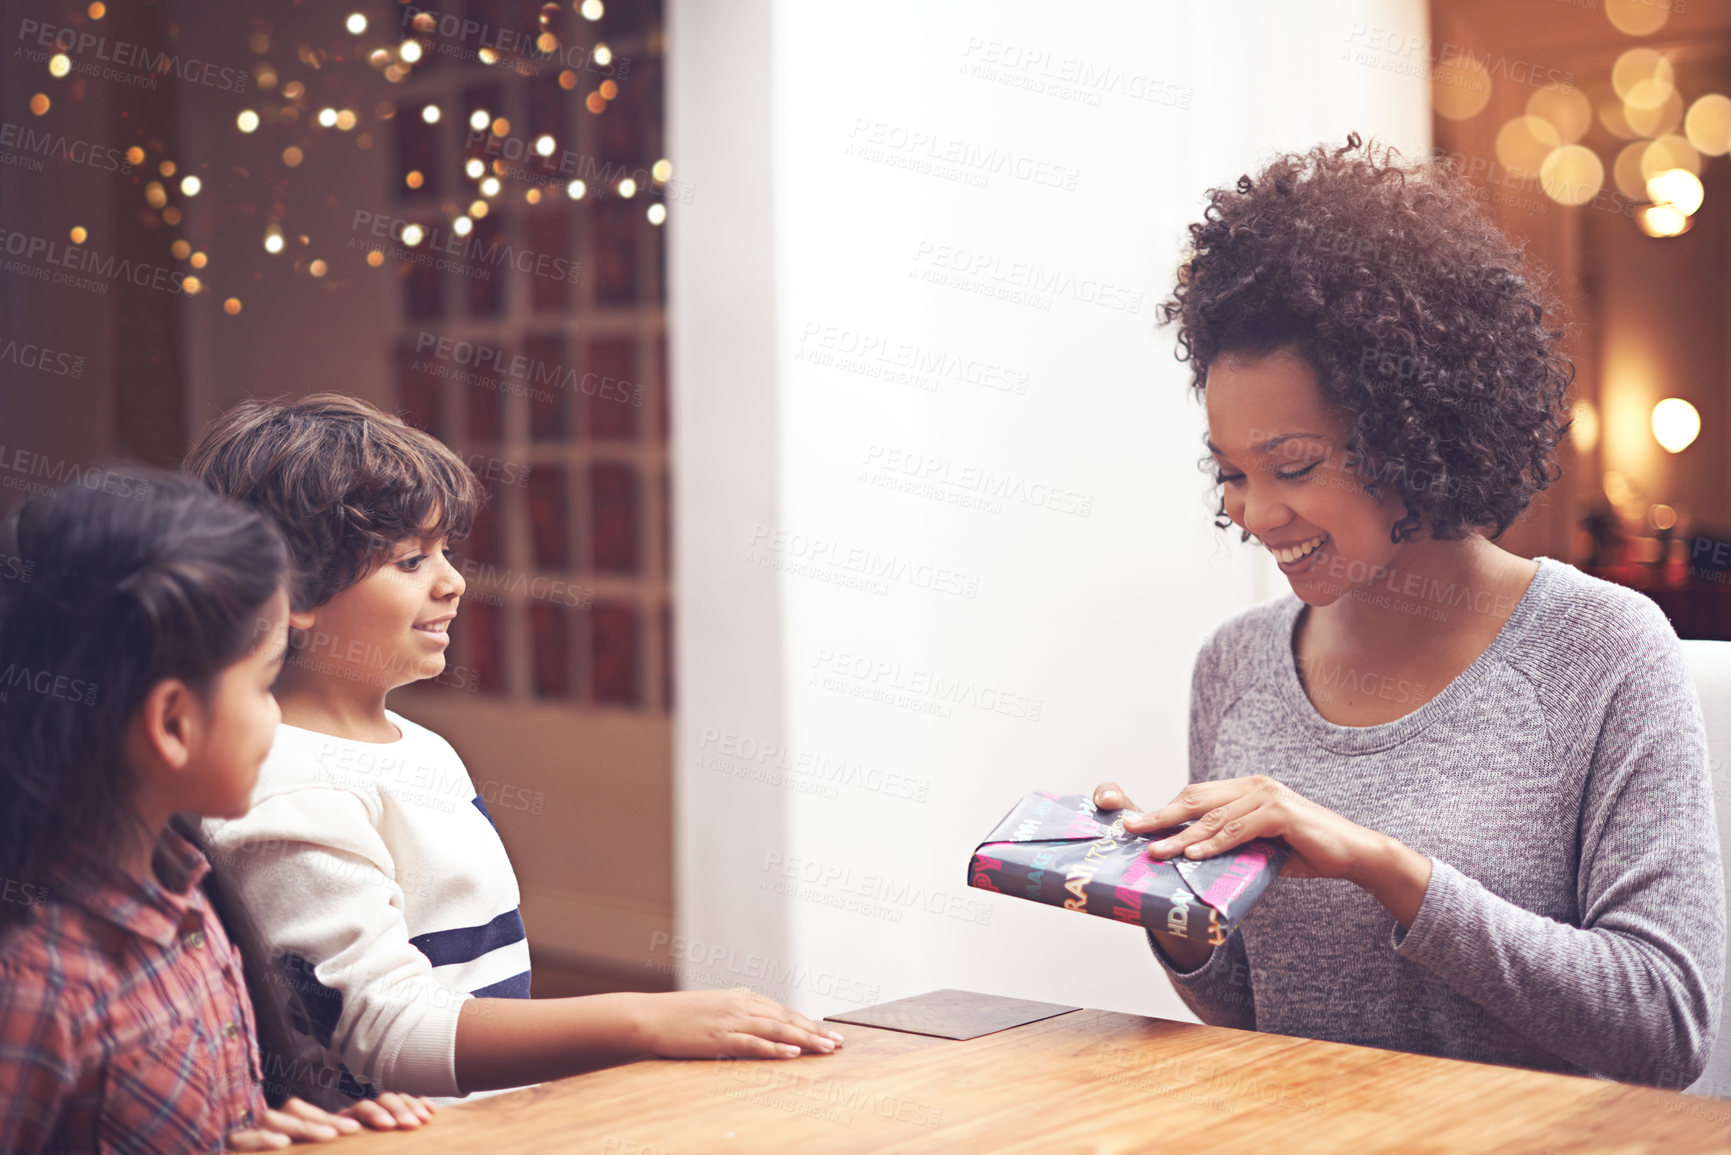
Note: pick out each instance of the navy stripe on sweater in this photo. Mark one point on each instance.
(468, 943)
(515, 987)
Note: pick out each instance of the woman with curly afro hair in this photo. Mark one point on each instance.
(1490, 771)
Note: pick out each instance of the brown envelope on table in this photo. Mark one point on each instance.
(952, 1014)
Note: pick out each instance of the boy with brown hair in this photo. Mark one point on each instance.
(381, 888)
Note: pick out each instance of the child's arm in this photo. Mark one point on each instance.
(510, 1042)
(319, 882)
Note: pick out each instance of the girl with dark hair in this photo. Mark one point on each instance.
(1491, 771)
(139, 637)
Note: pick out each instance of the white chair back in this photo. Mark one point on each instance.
(1710, 666)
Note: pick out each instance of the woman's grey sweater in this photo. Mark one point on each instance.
(1575, 918)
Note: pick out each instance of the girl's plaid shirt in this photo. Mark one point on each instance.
(124, 1019)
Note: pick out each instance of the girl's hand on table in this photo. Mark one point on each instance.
(1233, 811)
(390, 1111)
(298, 1121)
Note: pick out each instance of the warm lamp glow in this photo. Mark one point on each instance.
(1584, 427)
(1676, 424)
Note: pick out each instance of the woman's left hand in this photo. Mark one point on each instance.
(1232, 811)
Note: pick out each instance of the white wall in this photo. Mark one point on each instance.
(808, 234)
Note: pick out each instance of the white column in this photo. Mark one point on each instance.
(942, 538)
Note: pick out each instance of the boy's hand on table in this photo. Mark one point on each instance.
(298, 1121)
(735, 1024)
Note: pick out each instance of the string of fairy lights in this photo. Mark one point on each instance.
(287, 105)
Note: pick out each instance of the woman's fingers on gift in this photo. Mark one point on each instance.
(1110, 796)
(1194, 799)
(1198, 798)
(1217, 830)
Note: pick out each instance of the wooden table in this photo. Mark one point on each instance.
(1086, 1081)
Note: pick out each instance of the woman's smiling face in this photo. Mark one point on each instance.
(1282, 461)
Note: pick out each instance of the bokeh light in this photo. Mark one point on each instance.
(1676, 424)
(1572, 175)
(1678, 187)
(1663, 221)
(1637, 17)
(1626, 170)
(1669, 152)
(1524, 143)
(1638, 64)
(1584, 425)
(1708, 124)
(1459, 87)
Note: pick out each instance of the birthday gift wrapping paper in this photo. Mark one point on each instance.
(1064, 851)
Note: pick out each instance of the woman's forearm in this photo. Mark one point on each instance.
(1187, 954)
(511, 1042)
(1396, 875)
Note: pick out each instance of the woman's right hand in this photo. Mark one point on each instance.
(733, 1024)
(1188, 953)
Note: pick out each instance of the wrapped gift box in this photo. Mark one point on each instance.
(1064, 851)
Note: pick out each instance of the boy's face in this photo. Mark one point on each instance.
(240, 722)
(389, 628)
(1280, 450)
